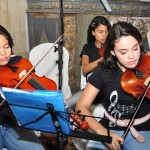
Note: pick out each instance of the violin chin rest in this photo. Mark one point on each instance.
(14, 59)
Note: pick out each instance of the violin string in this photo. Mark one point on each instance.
(145, 75)
(36, 84)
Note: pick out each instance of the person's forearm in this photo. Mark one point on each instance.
(87, 68)
(94, 125)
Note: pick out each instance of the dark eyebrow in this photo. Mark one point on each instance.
(100, 30)
(136, 45)
(132, 47)
(6, 44)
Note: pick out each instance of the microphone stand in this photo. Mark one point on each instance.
(60, 63)
(60, 47)
(62, 140)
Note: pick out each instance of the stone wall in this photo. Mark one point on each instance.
(13, 18)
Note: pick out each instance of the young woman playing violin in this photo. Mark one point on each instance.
(96, 37)
(123, 51)
(11, 136)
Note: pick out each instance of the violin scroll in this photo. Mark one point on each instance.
(80, 121)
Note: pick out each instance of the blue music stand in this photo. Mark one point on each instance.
(39, 110)
(45, 111)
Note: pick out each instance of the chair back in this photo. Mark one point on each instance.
(49, 67)
(83, 81)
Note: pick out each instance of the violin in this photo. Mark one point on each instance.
(12, 73)
(101, 51)
(132, 81)
(80, 121)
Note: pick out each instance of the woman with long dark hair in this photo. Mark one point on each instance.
(123, 50)
(11, 136)
(96, 37)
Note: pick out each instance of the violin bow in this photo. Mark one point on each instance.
(25, 76)
(137, 109)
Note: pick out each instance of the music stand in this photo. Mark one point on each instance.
(45, 111)
(39, 110)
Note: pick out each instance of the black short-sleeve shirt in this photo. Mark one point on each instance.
(118, 103)
(92, 52)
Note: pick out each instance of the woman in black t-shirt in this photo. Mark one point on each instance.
(122, 50)
(96, 37)
(12, 137)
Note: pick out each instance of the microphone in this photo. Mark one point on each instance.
(72, 101)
